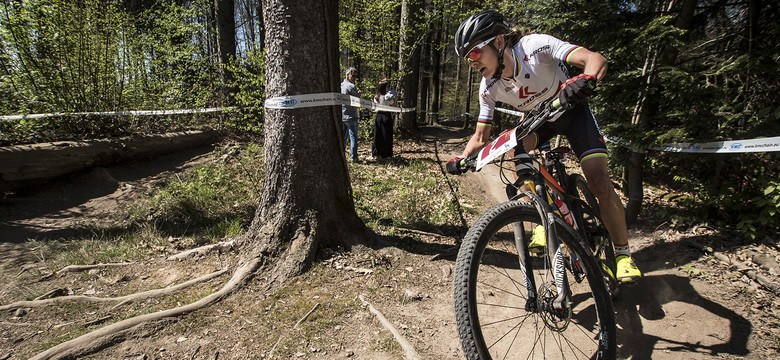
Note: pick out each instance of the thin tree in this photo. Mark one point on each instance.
(647, 106)
(224, 13)
(409, 62)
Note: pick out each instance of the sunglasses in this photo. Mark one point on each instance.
(476, 52)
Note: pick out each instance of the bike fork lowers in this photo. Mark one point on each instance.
(554, 251)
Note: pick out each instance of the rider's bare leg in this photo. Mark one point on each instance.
(612, 211)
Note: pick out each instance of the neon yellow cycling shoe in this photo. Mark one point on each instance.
(538, 240)
(626, 269)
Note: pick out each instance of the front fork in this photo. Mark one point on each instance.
(554, 251)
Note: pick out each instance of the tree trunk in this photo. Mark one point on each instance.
(306, 202)
(25, 166)
(425, 64)
(436, 71)
(646, 107)
(457, 90)
(467, 118)
(226, 43)
(408, 63)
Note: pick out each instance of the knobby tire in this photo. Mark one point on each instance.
(490, 295)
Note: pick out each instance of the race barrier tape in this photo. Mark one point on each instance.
(716, 147)
(327, 99)
(511, 112)
(769, 144)
(111, 113)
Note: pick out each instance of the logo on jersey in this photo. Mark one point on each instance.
(526, 58)
(543, 48)
(523, 93)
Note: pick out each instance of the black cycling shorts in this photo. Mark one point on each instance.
(580, 128)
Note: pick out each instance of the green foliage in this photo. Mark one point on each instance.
(214, 200)
(92, 55)
(693, 272)
(758, 215)
(249, 82)
(368, 39)
(103, 55)
(409, 195)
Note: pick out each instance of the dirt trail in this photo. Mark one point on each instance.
(669, 314)
(673, 312)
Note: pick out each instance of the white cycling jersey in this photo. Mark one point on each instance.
(540, 70)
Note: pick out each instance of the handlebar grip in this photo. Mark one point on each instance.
(469, 163)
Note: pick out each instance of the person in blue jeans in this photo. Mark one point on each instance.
(349, 114)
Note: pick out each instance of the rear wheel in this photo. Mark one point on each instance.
(501, 314)
(588, 217)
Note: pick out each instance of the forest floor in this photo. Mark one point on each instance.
(689, 304)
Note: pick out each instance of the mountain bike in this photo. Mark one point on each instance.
(555, 303)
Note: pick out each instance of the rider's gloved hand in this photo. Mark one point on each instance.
(576, 90)
(454, 165)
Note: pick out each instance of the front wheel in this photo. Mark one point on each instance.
(499, 316)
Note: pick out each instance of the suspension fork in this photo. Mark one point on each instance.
(521, 243)
(554, 248)
(523, 256)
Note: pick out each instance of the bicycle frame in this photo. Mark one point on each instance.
(548, 194)
(548, 205)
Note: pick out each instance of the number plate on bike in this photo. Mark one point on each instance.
(505, 142)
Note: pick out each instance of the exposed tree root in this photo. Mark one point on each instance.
(114, 333)
(409, 352)
(121, 299)
(203, 250)
(79, 268)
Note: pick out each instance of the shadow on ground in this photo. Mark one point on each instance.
(62, 199)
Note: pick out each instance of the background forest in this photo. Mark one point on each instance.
(680, 71)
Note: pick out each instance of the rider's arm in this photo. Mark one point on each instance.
(477, 141)
(591, 63)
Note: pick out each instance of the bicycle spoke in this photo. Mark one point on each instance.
(518, 317)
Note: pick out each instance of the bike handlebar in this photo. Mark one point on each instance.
(535, 118)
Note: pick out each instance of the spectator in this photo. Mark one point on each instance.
(349, 114)
(382, 146)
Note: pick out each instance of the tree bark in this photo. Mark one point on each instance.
(469, 87)
(224, 11)
(408, 63)
(436, 71)
(425, 64)
(306, 202)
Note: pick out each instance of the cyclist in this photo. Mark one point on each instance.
(524, 70)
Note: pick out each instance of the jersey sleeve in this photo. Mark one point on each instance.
(550, 48)
(487, 103)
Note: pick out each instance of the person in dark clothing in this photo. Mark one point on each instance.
(382, 146)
